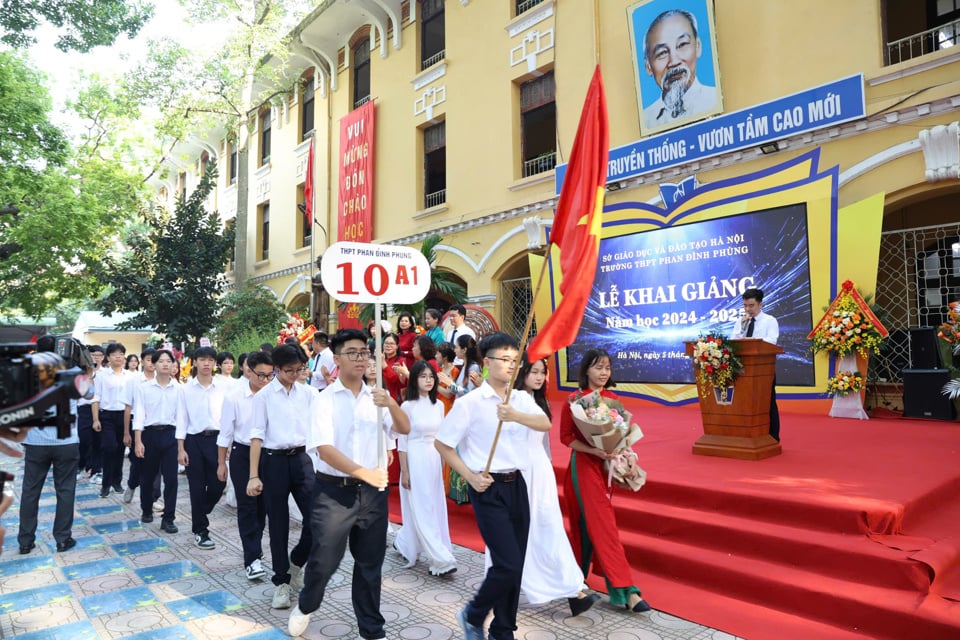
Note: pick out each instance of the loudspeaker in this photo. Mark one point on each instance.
(924, 353)
(923, 396)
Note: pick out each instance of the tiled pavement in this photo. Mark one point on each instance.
(129, 580)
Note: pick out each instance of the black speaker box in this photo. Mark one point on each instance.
(923, 396)
(924, 351)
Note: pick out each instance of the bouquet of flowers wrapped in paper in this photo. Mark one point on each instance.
(606, 425)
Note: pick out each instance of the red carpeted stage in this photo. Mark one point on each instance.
(854, 532)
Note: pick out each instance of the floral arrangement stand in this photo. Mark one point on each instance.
(850, 331)
(740, 428)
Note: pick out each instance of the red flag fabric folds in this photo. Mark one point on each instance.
(308, 190)
(576, 225)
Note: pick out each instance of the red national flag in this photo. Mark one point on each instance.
(576, 225)
(308, 190)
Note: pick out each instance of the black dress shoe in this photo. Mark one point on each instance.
(27, 548)
(640, 607)
(582, 605)
(66, 545)
(105, 493)
(118, 488)
(146, 518)
(168, 526)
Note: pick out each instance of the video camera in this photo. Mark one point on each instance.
(32, 383)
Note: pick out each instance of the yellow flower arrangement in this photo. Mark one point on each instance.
(845, 383)
(950, 330)
(848, 326)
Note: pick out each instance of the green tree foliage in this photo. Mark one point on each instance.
(171, 277)
(83, 24)
(72, 202)
(251, 310)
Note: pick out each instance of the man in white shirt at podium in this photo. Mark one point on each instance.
(757, 324)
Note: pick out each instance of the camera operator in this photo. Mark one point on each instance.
(44, 449)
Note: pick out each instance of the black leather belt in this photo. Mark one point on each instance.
(506, 476)
(284, 452)
(340, 481)
(209, 433)
(111, 411)
(159, 427)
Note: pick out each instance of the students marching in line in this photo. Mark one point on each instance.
(236, 426)
(350, 501)
(156, 407)
(109, 407)
(198, 425)
(423, 503)
(499, 499)
(281, 420)
(595, 536)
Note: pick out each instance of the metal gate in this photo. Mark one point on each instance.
(917, 277)
(516, 298)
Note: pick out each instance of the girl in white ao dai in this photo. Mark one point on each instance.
(423, 504)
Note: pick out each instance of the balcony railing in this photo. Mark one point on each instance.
(362, 101)
(920, 44)
(432, 60)
(540, 164)
(435, 199)
(526, 5)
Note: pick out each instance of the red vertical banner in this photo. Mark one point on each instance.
(355, 217)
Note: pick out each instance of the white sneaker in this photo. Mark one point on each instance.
(181, 468)
(96, 479)
(298, 622)
(255, 570)
(282, 597)
(158, 505)
(296, 578)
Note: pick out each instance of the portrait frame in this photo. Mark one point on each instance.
(706, 96)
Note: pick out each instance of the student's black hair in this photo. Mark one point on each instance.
(287, 354)
(257, 358)
(346, 335)
(590, 358)
(446, 351)
(242, 358)
(266, 346)
(204, 352)
(753, 294)
(94, 348)
(413, 387)
(539, 395)
(395, 337)
(159, 352)
(497, 340)
(146, 353)
(132, 355)
(428, 350)
(46, 343)
(223, 356)
(113, 347)
(471, 354)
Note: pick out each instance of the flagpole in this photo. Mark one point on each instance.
(312, 218)
(523, 347)
(596, 31)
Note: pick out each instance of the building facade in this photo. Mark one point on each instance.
(476, 102)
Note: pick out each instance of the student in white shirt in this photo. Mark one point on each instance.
(499, 499)
(350, 500)
(108, 408)
(236, 426)
(321, 365)
(281, 420)
(156, 404)
(147, 373)
(198, 425)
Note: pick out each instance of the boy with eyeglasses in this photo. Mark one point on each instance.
(281, 421)
(198, 425)
(499, 499)
(350, 502)
(236, 426)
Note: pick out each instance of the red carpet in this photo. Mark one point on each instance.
(854, 532)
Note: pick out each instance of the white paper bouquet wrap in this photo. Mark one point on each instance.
(606, 425)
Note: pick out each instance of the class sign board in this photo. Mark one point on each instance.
(364, 272)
